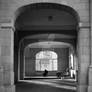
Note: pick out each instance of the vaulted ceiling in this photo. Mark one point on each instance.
(48, 19)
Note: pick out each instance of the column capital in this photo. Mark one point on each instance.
(84, 25)
(6, 26)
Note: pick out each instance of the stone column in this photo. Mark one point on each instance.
(6, 60)
(90, 67)
(83, 59)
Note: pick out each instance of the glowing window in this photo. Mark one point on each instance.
(46, 60)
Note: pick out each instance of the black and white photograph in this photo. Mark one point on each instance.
(45, 45)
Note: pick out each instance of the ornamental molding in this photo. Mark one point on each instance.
(84, 25)
(5, 26)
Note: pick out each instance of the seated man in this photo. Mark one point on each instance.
(63, 74)
(59, 74)
(45, 73)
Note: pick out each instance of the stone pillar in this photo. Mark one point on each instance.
(6, 60)
(90, 67)
(83, 59)
(90, 78)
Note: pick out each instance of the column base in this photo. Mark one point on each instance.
(89, 88)
(90, 79)
(90, 75)
(10, 88)
(82, 88)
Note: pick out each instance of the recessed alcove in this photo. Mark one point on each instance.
(59, 61)
(42, 23)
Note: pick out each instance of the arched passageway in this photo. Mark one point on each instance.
(45, 27)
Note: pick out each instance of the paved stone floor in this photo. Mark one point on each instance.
(46, 85)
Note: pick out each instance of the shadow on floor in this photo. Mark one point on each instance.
(37, 87)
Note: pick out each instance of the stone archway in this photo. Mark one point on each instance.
(83, 35)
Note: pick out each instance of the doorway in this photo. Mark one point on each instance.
(46, 28)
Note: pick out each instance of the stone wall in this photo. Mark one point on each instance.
(8, 9)
(8, 13)
(6, 61)
(63, 61)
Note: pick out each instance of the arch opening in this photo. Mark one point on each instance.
(42, 23)
(46, 60)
